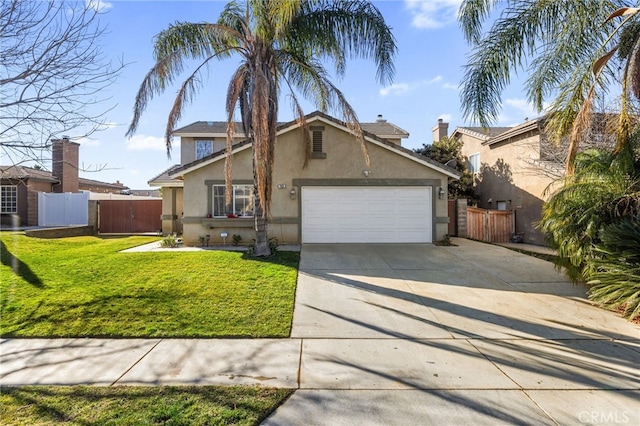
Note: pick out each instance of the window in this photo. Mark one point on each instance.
(474, 163)
(241, 201)
(203, 148)
(501, 205)
(8, 199)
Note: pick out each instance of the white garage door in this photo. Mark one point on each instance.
(366, 214)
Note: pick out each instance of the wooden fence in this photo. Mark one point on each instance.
(129, 216)
(494, 226)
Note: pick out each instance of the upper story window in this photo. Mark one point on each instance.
(474, 163)
(203, 148)
(241, 201)
(8, 199)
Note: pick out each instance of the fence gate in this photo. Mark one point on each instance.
(129, 216)
(493, 226)
(64, 209)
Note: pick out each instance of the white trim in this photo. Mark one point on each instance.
(13, 198)
(178, 184)
(233, 199)
(479, 165)
(195, 147)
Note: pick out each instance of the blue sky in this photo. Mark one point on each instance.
(429, 68)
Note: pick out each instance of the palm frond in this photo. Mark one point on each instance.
(344, 28)
(551, 40)
(185, 95)
(472, 15)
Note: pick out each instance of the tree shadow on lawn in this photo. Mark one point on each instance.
(19, 267)
(286, 258)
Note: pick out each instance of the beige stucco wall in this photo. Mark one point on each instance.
(172, 210)
(508, 172)
(344, 163)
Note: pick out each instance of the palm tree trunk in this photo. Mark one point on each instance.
(261, 247)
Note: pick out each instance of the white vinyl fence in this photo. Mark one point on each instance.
(63, 209)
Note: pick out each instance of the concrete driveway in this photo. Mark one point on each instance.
(470, 334)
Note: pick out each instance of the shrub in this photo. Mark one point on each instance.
(615, 278)
(170, 241)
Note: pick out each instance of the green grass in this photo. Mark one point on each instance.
(84, 287)
(172, 405)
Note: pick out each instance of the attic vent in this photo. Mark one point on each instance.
(317, 141)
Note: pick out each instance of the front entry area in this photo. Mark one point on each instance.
(363, 214)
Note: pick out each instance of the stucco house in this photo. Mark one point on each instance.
(401, 197)
(515, 168)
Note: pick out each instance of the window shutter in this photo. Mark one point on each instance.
(317, 141)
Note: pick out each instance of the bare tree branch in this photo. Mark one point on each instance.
(52, 75)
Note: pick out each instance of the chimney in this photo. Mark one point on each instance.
(65, 165)
(380, 119)
(440, 130)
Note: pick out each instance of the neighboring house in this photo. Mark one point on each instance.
(401, 197)
(513, 168)
(19, 185)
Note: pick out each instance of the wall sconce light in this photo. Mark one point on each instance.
(490, 200)
(292, 194)
(366, 173)
(440, 193)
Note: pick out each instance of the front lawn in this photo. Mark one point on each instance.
(129, 405)
(84, 287)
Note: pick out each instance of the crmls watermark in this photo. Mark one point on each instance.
(604, 417)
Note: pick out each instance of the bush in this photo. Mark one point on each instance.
(615, 278)
(170, 241)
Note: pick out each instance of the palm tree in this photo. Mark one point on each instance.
(564, 47)
(282, 44)
(604, 190)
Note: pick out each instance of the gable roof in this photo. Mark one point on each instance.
(520, 129)
(164, 179)
(494, 135)
(320, 116)
(25, 173)
(381, 128)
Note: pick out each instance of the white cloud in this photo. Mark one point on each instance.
(451, 86)
(402, 88)
(98, 5)
(87, 141)
(447, 118)
(146, 143)
(430, 14)
(395, 89)
(523, 108)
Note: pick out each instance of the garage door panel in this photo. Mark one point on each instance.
(369, 214)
